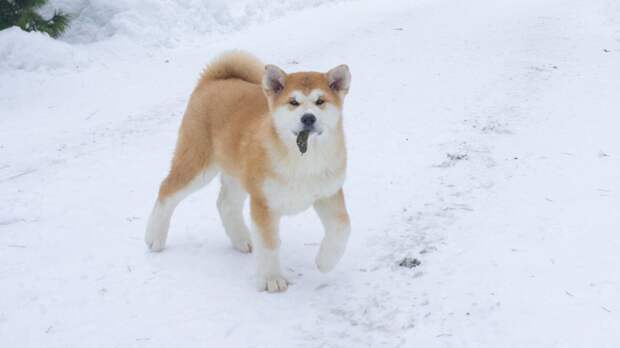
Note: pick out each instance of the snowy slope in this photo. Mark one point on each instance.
(482, 142)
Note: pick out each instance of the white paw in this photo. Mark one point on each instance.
(328, 257)
(155, 244)
(155, 239)
(243, 245)
(157, 227)
(272, 283)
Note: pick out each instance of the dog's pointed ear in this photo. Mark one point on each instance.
(339, 79)
(273, 80)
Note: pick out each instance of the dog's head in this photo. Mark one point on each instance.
(309, 101)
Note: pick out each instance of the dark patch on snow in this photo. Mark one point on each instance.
(457, 156)
(16, 246)
(322, 286)
(11, 221)
(428, 250)
(453, 158)
(409, 262)
(25, 172)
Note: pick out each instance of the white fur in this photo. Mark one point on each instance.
(303, 179)
(230, 206)
(300, 192)
(269, 277)
(335, 240)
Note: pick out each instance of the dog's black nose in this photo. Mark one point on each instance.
(308, 119)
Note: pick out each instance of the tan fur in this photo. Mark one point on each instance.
(228, 126)
(234, 64)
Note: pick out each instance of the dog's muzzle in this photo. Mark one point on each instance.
(308, 120)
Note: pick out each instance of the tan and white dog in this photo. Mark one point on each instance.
(243, 121)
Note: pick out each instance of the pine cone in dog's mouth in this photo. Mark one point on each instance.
(302, 141)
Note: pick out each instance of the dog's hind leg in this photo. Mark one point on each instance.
(159, 221)
(230, 205)
(192, 168)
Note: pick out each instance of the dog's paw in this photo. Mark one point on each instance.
(156, 245)
(272, 283)
(155, 241)
(328, 257)
(243, 245)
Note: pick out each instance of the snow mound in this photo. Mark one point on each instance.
(22, 50)
(147, 21)
(132, 24)
(156, 22)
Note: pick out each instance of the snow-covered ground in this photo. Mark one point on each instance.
(482, 137)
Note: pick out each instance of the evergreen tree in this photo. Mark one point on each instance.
(23, 14)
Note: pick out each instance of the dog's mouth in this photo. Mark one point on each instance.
(302, 137)
(309, 130)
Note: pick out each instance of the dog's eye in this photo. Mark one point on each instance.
(319, 101)
(294, 102)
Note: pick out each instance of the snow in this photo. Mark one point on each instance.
(131, 27)
(482, 142)
(20, 50)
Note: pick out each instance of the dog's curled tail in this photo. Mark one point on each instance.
(234, 65)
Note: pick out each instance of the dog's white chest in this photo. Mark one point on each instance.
(296, 194)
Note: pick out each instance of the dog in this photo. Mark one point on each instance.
(244, 121)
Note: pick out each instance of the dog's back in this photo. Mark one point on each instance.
(230, 85)
(226, 107)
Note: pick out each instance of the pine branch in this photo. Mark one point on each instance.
(23, 14)
(30, 3)
(56, 25)
(8, 14)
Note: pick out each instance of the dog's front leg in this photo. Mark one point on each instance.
(333, 214)
(267, 246)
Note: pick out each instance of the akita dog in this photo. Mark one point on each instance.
(274, 136)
